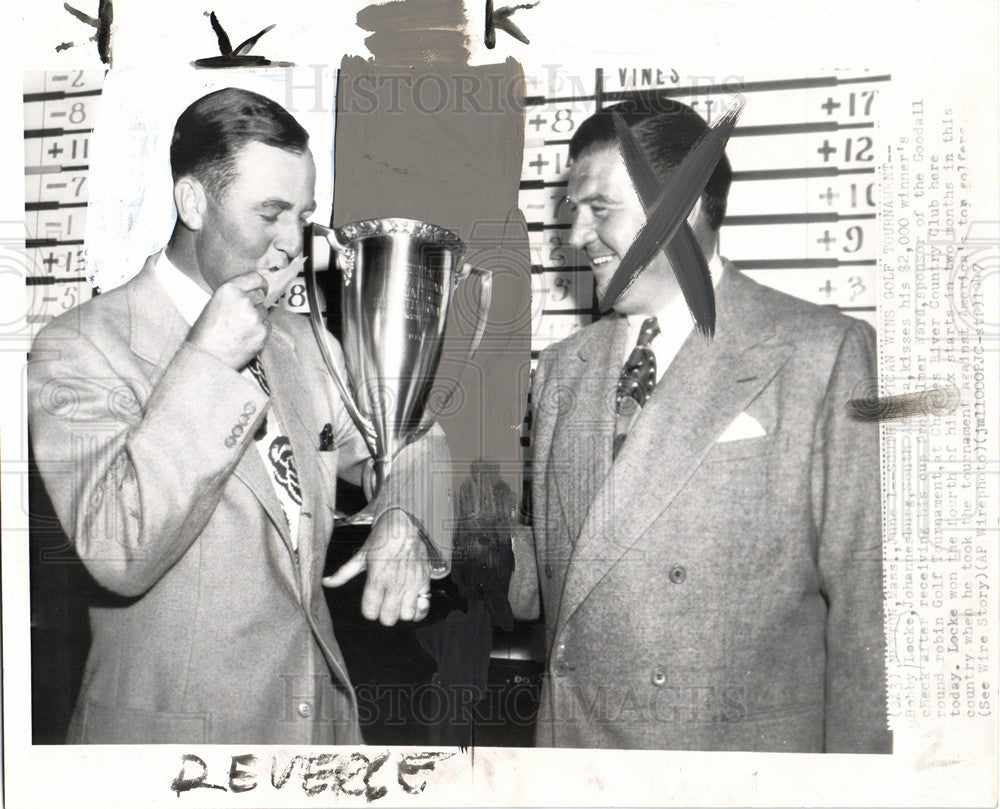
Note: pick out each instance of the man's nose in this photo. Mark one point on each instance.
(290, 239)
(582, 231)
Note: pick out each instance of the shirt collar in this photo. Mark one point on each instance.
(186, 295)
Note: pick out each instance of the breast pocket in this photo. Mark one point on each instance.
(760, 447)
(741, 473)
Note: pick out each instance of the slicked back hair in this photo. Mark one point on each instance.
(211, 131)
(666, 129)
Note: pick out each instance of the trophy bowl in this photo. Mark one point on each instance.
(397, 277)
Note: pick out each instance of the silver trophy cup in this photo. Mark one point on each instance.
(397, 279)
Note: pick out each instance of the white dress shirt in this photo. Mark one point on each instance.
(675, 323)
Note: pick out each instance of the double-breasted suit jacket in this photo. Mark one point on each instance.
(707, 594)
(219, 631)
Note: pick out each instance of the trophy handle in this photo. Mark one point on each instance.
(365, 427)
(482, 315)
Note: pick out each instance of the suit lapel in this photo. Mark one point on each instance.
(293, 402)
(702, 391)
(156, 332)
(582, 439)
(156, 328)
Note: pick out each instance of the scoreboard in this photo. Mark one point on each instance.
(801, 212)
(59, 112)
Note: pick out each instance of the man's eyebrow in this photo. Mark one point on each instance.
(283, 204)
(592, 198)
(275, 202)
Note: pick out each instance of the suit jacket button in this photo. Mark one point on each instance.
(548, 570)
(658, 677)
(677, 574)
(249, 408)
(230, 441)
(304, 709)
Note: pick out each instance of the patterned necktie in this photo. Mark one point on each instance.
(279, 452)
(636, 382)
(257, 370)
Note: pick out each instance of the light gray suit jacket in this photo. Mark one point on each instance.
(702, 594)
(221, 632)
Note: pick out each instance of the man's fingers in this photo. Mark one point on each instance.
(278, 280)
(347, 571)
(422, 606)
(249, 281)
(391, 606)
(415, 596)
(371, 599)
(407, 608)
(252, 284)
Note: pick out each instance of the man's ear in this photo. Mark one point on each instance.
(695, 214)
(191, 200)
(698, 220)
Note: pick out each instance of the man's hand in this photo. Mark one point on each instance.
(398, 586)
(233, 327)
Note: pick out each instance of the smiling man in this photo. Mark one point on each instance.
(706, 518)
(189, 437)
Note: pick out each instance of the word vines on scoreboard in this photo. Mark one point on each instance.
(801, 208)
(59, 112)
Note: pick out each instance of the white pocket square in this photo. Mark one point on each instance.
(742, 427)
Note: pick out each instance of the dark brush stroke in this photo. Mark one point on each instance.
(244, 47)
(184, 783)
(105, 16)
(225, 45)
(240, 56)
(501, 18)
(238, 61)
(673, 204)
(934, 402)
(490, 37)
(84, 18)
(683, 251)
(413, 763)
(102, 24)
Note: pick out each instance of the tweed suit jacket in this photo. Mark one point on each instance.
(215, 629)
(701, 594)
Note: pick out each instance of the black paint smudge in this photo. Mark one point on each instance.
(683, 251)
(105, 16)
(501, 18)
(240, 55)
(414, 763)
(183, 782)
(674, 201)
(240, 780)
(938, 401)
